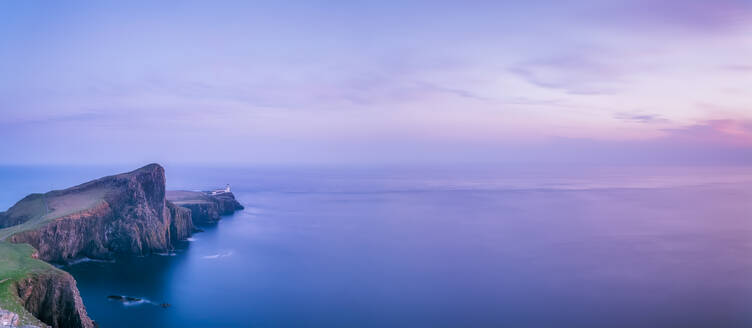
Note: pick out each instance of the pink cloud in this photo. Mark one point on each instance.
(726, 132)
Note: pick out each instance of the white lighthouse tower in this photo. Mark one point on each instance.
(221, 191)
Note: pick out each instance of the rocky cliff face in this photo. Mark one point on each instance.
(203, 213)
(121, 214)
(125, 214)
(54, 299)
(227, 204)
(205, 208)
(181, 225)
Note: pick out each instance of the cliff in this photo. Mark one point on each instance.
(53, 299)
(120, 214)
(205, 208)
(181, 226)
(36, 294)
(126, 214)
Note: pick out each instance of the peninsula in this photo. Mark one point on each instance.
(118, 215)
(206, 207)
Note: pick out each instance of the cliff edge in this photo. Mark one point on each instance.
(36, 294)
(123, 214)
(119, 214)
(205, 207)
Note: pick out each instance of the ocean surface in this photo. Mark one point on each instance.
(438, 247)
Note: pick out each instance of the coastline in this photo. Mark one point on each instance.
(120, 215)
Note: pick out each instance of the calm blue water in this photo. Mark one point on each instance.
(440, 247)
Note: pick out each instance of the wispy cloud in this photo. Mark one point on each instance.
(387, 90)
(696, 16)
(641, 118)
(705, 142)
(727, 132)
(577, 73)
(58, 119)
(362, 78)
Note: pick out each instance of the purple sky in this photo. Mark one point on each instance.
(382, 81)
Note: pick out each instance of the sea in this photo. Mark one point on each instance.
(436, 246)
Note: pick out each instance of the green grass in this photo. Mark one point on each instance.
(33, 207)
(43, 208)
(16, 263)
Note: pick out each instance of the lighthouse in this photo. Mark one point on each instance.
(220, 191)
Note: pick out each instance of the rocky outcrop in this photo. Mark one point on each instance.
(36, 294)
(126, 214)
(8, 319)
(54, 299)
(71, 236)
(181, 223)
(205, 208)
(227, 204)
(203, 213)
(121, 214)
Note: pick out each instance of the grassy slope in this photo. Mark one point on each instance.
(179, 197)
(15, 264)
(50, 206)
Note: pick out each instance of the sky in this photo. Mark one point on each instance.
(286, 82)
